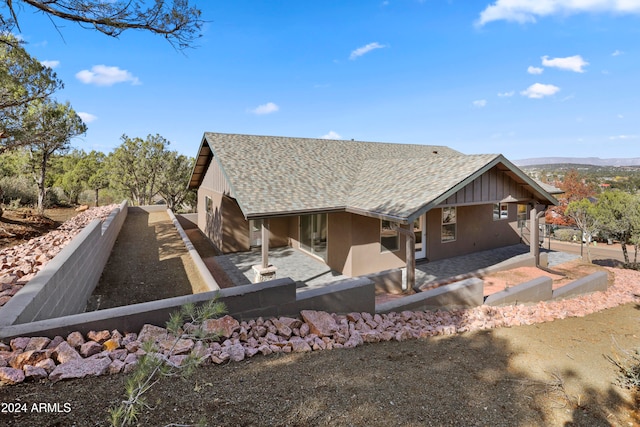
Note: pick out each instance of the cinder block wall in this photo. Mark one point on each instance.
(63, 286)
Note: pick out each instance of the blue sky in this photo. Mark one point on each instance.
(525, 78)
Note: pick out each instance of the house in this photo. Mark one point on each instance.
(359, 207)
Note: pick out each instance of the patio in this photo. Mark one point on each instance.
(310, 272)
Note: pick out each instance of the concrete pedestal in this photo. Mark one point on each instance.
(263, 274)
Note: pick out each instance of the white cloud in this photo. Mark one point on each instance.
(331, 135)
(102, 75)
(623, 137)
(617, 53)
(535, 70)
(87, 117)
(480, 103)
(365, 49)
(506, 94)
(570, 63)
(267, 108)
(539, 90)
(50, 64)
(523, 11)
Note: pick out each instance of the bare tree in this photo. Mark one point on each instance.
(176, 20)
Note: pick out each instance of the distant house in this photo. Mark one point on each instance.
(359, 207)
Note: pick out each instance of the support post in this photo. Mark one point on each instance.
(410, 257)
(533, 233)
(264, 271)
(265, 243)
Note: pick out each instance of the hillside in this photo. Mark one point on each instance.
(594, 161)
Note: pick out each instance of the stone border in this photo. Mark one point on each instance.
(195, 256)
(65, 283)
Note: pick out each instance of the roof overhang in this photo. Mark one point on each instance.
(203, 159)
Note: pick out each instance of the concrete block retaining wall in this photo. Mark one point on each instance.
(592, 283)
(267, 299)
(463, 294)
(536, 290)
(64, 284)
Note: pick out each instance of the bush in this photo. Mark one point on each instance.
(19, 188)
(567, 235)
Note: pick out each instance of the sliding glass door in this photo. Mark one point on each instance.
(313, 234)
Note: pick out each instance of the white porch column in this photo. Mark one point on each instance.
(264, 271)
(534, 233)
(265, 243)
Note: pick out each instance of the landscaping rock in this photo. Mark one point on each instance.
(80, 368)
(35, 373)
(28, 358)
(99, 337)
(75, 339)
(64, 353)
(37, 343)
(152, 333)
(320, 323)
(224, 326)
(90, 348)
(11, 376)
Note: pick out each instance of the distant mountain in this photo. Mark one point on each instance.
(594, 161)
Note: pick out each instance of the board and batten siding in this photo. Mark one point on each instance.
(215, 180)
(490, 187)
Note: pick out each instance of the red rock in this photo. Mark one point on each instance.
(64, 353)
(224, 326)
(28, 358)
(152, 333)
(283, 330)
(320, 322)
(90, 348)
(80, 368)
(99, 337)
(75, 339)
(35, 373)
(55, 342)
(37, 343)
(115, 367)
(180, 346)
(11, 376)
(291, 322)
(236, 352)
(299, 345)
(19, 343)
(46, 364)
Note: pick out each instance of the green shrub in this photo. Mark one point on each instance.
(19, 188)
(567, 235)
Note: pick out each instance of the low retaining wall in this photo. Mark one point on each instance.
(594, 282)
(195, 256)
(267, 299)
(64, 285)
(533, 291)
(463, 294)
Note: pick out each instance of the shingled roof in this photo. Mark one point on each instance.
(270, 175)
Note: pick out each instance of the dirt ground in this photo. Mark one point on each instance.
(149, 261)
(550, 374)
(19, 225)
(560, 275)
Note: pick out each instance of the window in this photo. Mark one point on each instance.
(389, 238)
(208, 204)
(255, 233)
(522, 216)
(449, 220)
(500, 211)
